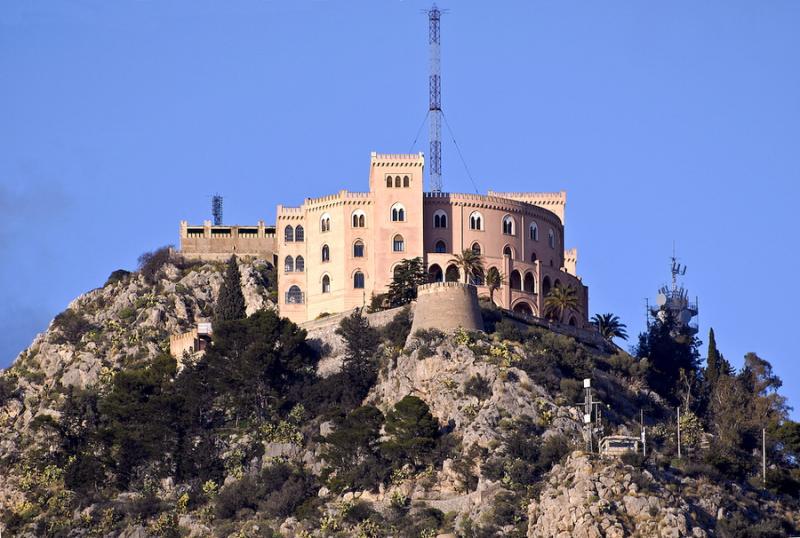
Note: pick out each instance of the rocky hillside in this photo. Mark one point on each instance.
(432, 434)
(125, 323)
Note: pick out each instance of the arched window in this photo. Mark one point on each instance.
(507, 251)
(551, 238)
(572, 321)
(475, 221)
(515, 281)
(325, 223)
(288, 264)
(300, 264)
(398, 212)
(508, 225)
(358, 249)
(326, 284)
(546, 286)
(529, 283)
(388, 182)
(476, 279)
(452, 274)
(406, 181)
(358, 280)
(440, 247)
(326, 253)
(476, 248)
(398, 245)
(288, 234)
(440, 219)
(397, 181)
(299, 234)
(294, 296)
(533, 256)
(534, 232)
(359, 219)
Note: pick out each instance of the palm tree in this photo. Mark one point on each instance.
(470, 263)
(609, 326)
(560, 300)
(494, 279)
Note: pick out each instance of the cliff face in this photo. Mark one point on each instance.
(504, 461)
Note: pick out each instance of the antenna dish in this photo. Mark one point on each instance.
(661, 299)
(685, 316)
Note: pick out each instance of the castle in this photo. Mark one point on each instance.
(333, 253)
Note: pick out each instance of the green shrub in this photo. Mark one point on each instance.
(71, 326)
(479, 387)
(508, 330)
(150, 263)
(396, 331)
(117, 276)
(572, 390)
(8, 389)
(632, 458)
(127, 313)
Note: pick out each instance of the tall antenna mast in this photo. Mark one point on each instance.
(435, 98)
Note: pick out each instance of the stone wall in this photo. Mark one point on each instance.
(447, 306)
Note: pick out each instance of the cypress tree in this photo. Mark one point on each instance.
(230, 303)
(716, 365)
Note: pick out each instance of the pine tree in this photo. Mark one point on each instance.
(361, 343)
(407, 276)
(230, 303)
(412, 431)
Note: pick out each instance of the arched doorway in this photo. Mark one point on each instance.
(452, 274)
(523, 308)
(435, 273)
(546, 286)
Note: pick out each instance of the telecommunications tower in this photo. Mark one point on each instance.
(673, 301)
(216, 209)
(435, 100)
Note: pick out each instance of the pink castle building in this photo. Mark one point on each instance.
(335, 252)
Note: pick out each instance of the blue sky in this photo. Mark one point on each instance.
(663, 121)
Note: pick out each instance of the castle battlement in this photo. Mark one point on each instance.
(397, 159)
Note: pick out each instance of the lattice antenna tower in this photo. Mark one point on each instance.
(216, 209)
(435, 99)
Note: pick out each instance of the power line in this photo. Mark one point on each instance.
(460, 155)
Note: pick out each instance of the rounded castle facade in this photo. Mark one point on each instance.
(334, 253)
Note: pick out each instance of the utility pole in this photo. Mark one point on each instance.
(435, 100)
(679, 432)
(643, 434)
(764, 456)
(587, 412)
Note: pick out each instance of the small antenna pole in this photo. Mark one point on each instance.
(679, 432)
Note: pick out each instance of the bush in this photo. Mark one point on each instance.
(739, 525)
(634, 459)
(508, 330)
(554, 449)
(491, 316)
(396, 331)
(8, 389)
(72, 326)
(235, 496)
(479, 387)
(572, 389)
(283, 502)
(117, 276)
(150, 263)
